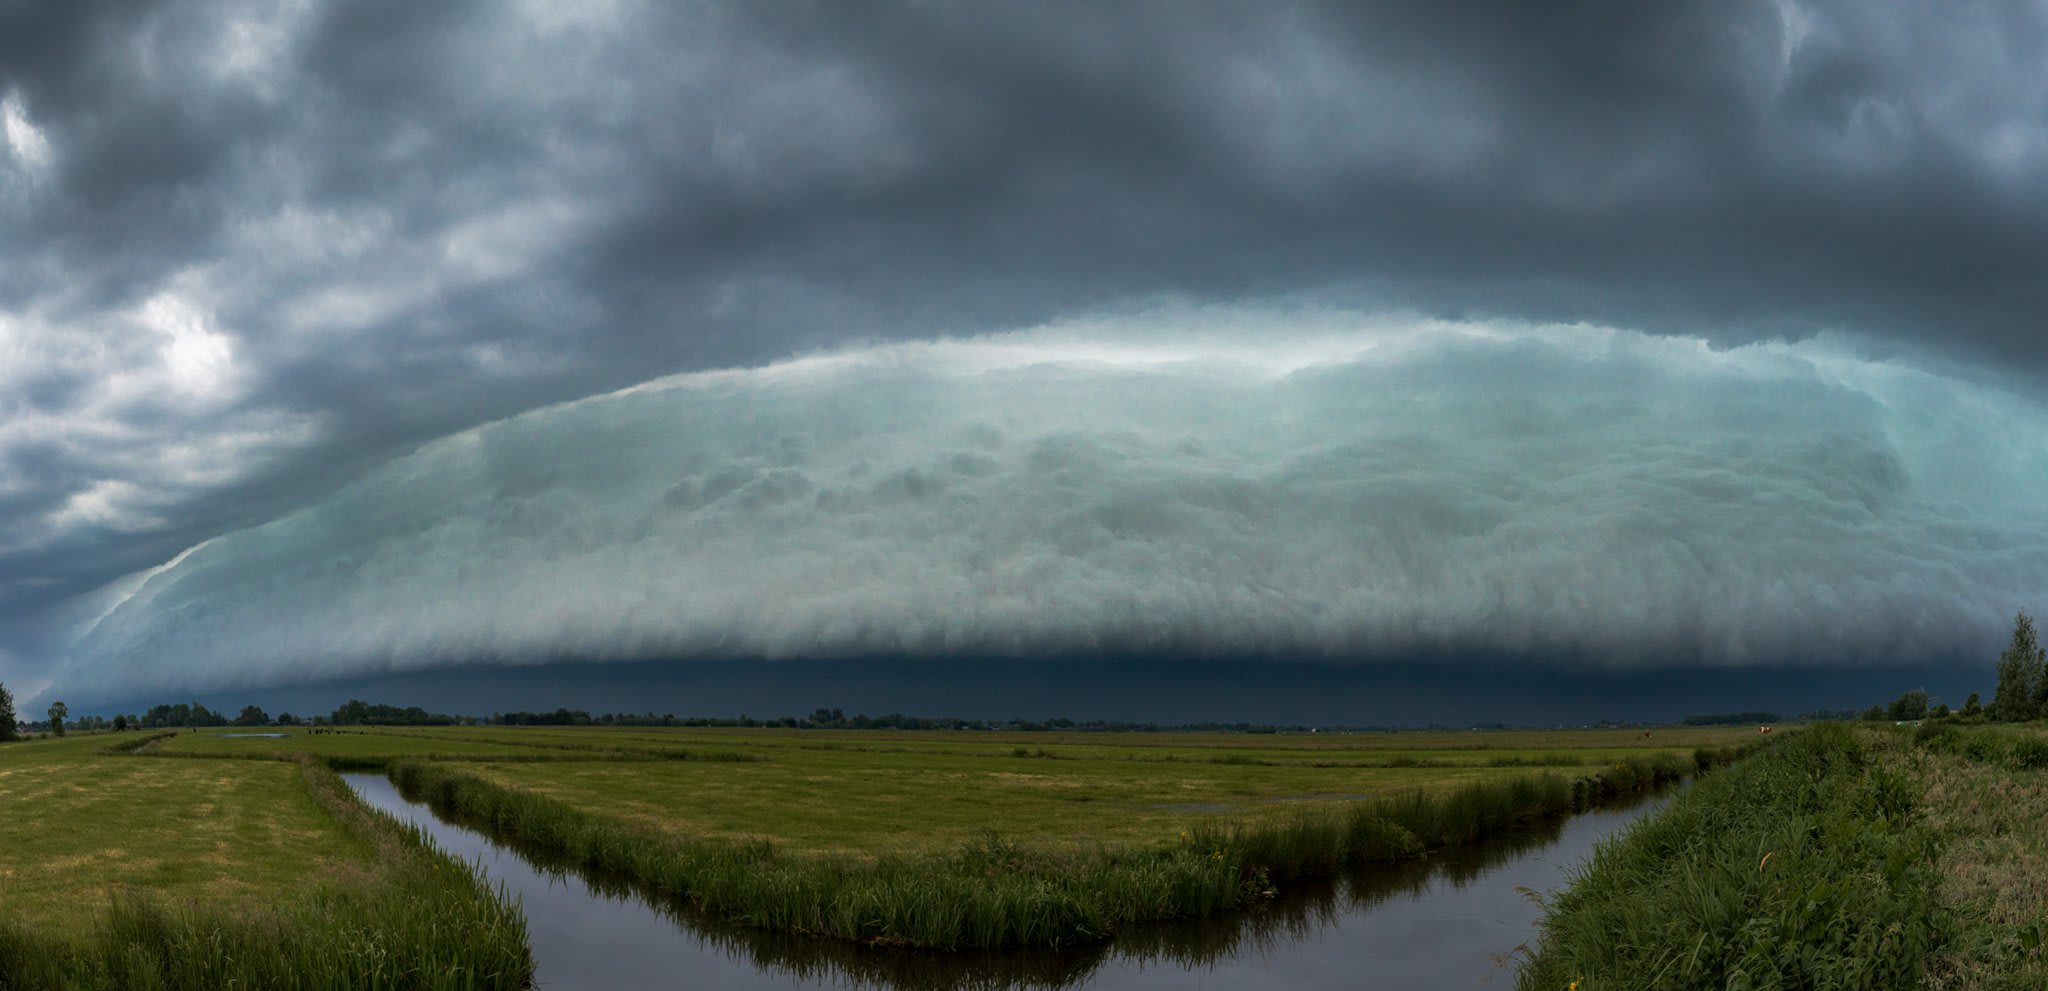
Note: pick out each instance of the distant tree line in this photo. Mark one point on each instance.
(356, 712)
(838, 719)
(180, 716)
(1734, 719)
(12, 726)
(2020, 695)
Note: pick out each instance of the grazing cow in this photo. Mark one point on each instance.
(1763, 729)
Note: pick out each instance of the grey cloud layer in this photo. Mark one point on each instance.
(249, 250)
(1573, 490)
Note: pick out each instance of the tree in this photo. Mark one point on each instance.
(287, 719)
(120, 724)
(2019, 668)
(2040, 697)
(58, 710)
(251, 716)
(1972, 707)
(1910, 706)
(1874, 714)
(7, 731)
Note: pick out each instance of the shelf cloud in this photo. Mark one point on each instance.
(1339, 488)
(262, 262)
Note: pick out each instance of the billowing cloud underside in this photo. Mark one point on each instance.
(1629, 498)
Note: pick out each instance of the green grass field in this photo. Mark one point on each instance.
(122, 871)
(231, 830)
(875, 792)
(79, 824)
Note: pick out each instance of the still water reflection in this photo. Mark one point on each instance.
(1452, 921)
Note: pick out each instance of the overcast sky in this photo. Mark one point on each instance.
(1703, 334)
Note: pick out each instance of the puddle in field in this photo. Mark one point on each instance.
(1451, 921)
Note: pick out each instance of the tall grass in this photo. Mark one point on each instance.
(419, 921)
(1806, 866)
(994, 893)
(2007, 745)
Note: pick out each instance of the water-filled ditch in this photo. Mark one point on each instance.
(1453, 920)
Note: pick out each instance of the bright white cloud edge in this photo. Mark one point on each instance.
(1213, 481)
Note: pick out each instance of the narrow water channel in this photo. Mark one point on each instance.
(1448, 922)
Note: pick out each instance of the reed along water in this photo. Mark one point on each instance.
(1452, 920)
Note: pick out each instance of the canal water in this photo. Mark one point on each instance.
(1459, 919)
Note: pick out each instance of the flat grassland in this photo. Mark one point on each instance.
(120, 871)
(79, 823)
(225, 820)
(865, 792)
(246, 840)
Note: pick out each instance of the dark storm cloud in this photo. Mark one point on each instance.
(249, 250)
(1330, 491)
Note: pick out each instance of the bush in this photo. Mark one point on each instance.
(2030, 752)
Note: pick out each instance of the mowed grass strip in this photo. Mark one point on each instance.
(122, 872)
(79, 824)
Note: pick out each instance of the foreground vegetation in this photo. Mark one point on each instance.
(222, 859)
(996, 891)
(1837, 858)
(217, 874)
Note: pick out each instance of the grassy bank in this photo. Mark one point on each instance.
(1851, 858)
(121, 872)
(993, 892)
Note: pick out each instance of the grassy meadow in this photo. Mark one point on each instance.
(129, 865)
(81, 824)
(122, 871)
(872, 793)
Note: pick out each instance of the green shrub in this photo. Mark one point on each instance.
(2030, 752)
